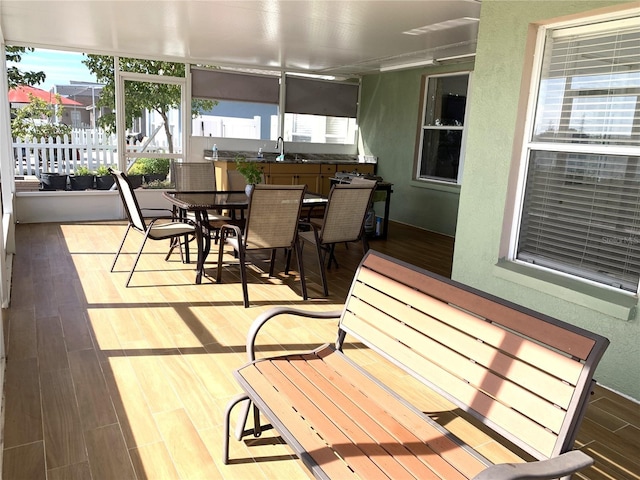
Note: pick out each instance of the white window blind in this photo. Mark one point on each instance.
(581, 208)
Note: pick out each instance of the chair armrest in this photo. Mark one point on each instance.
(173, 220)
(159, 210)
(274, 312)
(565, 464)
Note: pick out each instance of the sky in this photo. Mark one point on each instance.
(60, 67)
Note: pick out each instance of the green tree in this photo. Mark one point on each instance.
(17, 77)
(34, 119)
(141, 96)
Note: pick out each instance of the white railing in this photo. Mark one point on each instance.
(60, 155)
(65, 154)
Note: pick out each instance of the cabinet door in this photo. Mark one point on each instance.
(327, 172)
(311, 180)
(294, 174)
(280, 174)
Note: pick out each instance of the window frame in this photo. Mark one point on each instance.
(422, 128)
(529, 145)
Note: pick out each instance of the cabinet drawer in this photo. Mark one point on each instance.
(293, 168)
(327, 169)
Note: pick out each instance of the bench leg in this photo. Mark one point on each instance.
(227, 422)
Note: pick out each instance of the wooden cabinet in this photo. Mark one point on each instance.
(327, 171)
(295, 174)
(317, 176)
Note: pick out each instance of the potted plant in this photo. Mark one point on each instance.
(53, 181)
(251, 172)
(104, 180)
(82, 178)
(154, 168)
(135, 175)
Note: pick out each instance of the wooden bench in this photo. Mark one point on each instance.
(524, 375)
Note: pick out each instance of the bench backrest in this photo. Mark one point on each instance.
(525, 375)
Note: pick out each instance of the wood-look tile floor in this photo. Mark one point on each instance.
(106, 382)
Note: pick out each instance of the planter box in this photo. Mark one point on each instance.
(81, 182)
(53, 181)
(152, 177)
(135, 180)
(90, 205)
(58, 206)
(104, 182)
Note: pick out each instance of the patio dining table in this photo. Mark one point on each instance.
(199, 203)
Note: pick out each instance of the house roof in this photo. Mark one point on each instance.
(331, 37)
(22, 94)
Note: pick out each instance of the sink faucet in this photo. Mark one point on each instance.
(280, 145)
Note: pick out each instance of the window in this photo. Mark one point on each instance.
(319, 129)
(244, 105)
(320, 111)
(580, 212)
(442, 128)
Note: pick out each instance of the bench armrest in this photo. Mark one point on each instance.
(565, 464)
(274, 312)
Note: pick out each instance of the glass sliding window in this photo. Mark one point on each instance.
(442, 128)
(580, 213)
(299, 127)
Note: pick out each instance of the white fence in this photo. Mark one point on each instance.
(65, 154)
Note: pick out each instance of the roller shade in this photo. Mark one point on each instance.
(220, 85)
(320, 97)
(581, 208)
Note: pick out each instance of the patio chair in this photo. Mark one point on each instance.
(193, 176)
(197, 177)
(271, 223)
(343, 221)
(156, 229)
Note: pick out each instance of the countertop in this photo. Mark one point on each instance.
(268, 157)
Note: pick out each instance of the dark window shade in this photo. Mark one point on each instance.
(219, 85)
(582, 216)
(319, 97)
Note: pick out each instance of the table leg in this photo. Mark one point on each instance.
(385, 219)
(200, 247)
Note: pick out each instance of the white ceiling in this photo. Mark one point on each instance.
(334, 37)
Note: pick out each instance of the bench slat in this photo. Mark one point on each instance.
(509, 420)
(367, 459)
(522, 373)
(393, 458)
(448, 358)
(560, 365)
(560, 337)
(309, 386)
(429, 433)
(301, 430)
(379, 423)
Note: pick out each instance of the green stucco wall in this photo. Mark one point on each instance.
(492, 115)
(388, 120)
